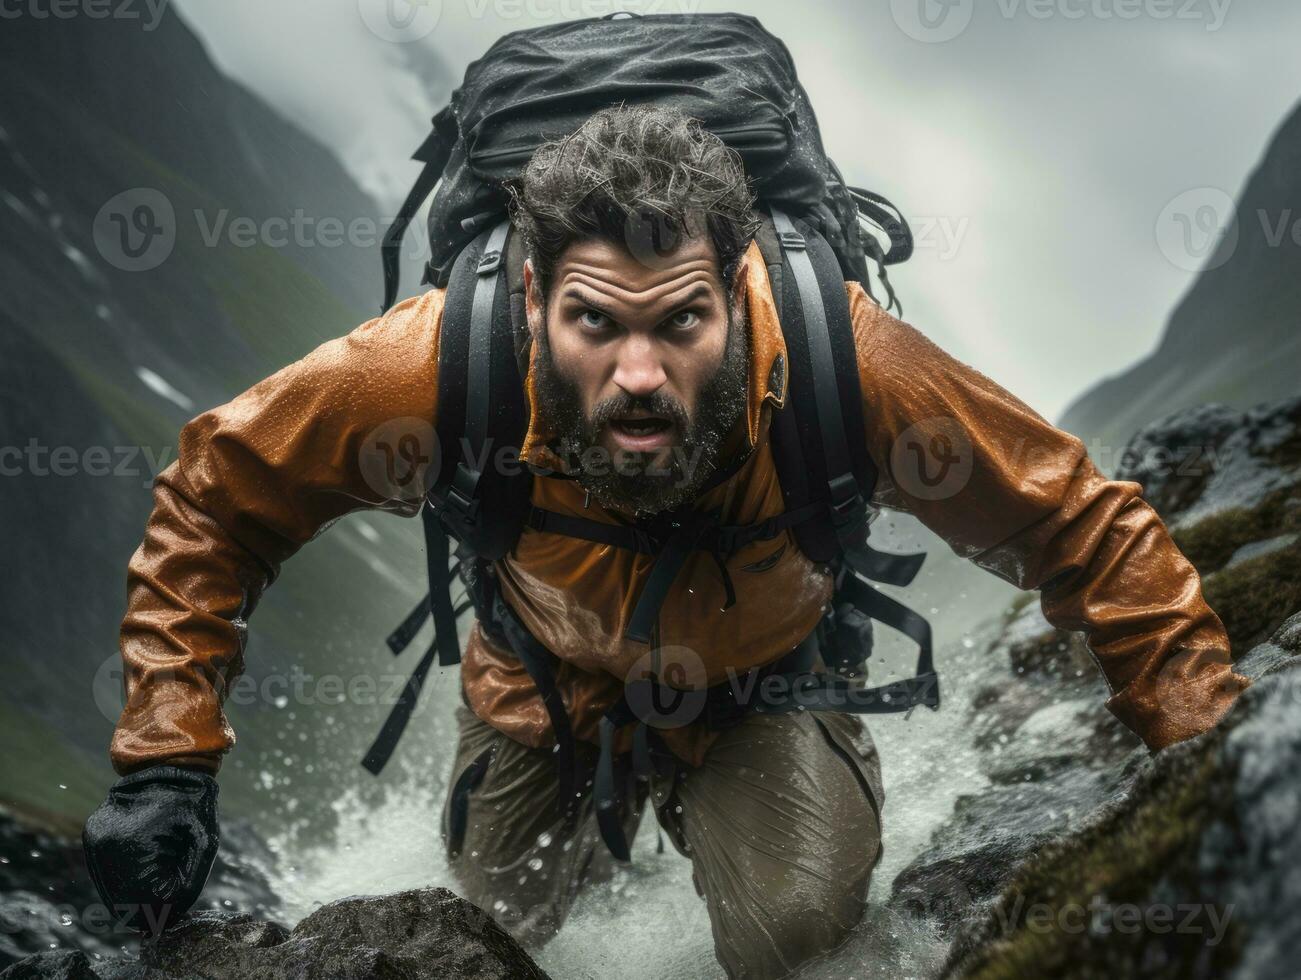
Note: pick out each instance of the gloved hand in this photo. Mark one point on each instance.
(151, 844)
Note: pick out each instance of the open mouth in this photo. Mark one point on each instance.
(641, 432)
(643, 426)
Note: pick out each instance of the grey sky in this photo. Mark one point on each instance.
(1034, 151)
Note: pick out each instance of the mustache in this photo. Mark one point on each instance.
(656, 403)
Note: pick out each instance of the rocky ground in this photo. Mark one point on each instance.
(1088, 856)
(427, 933)
(1084, 856)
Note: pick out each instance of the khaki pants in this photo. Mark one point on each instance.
(781, 824)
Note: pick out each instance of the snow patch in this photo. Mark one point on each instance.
(160, 386)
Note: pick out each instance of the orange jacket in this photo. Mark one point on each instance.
(257, 478)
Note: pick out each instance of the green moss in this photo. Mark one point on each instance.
(1118, 860)
(1255, 597)
(282, 311)
(1211, 542)
(127, 408)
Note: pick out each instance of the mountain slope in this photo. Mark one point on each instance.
(1235, 337)
(102, 363)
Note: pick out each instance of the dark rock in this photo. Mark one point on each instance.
(63, 964)
(1198, 854)
(430, 930)
(406, 936)
(1174, 458)
(47, 900)
(225, 943)
(1080, 824)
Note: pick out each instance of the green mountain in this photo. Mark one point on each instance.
(105, 353)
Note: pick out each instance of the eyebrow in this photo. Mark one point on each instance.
(699, 291)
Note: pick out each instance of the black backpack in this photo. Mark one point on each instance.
(534, 85)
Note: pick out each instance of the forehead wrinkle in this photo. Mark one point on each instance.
(681, 288)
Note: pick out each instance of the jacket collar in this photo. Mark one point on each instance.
(766, 383)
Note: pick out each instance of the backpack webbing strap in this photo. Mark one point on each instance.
(435, 151)
(539, 662)
(463, 491)
(437, 553)
(445, 643)
(406, 631)
(458, 799)
(687, 530)
(848, 509)
(885, 566)
(605, 790)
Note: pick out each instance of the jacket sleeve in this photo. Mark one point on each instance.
(1021, 499)
(348, 427)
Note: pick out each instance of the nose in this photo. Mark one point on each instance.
(638, 369)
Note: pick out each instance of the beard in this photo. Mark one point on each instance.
(645, 483)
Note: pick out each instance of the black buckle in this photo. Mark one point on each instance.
(489, 262)
(461, 494)
(792, 240)
(845, 498)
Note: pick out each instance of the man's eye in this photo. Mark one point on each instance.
(593, 319)
(684, 319)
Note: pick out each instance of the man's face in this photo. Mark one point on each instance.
(641, 362)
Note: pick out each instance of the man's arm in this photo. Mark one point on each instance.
(254, 480)
(1021, 499)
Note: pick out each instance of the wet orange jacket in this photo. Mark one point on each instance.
(257, 478)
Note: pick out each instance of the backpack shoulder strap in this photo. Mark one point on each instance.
(820, 440)
(480, 494)
(820, 444)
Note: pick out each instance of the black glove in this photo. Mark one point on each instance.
(151, 844)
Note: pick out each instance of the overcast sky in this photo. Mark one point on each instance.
(1034, 143)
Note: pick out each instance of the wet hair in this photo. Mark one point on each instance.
(644, 176)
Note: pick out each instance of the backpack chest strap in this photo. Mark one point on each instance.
(671, 539)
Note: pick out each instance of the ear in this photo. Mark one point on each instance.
(534, 304)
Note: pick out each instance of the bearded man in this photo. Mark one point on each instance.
(655, 362)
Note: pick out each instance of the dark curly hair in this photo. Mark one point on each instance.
(642, 175)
